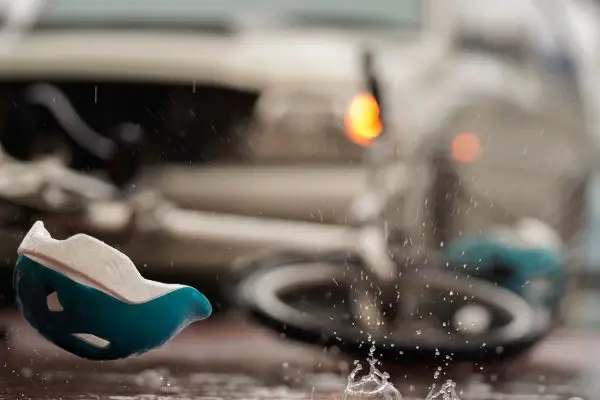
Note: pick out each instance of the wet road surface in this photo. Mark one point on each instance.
(227, 358)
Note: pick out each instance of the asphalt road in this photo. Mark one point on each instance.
(227, 358)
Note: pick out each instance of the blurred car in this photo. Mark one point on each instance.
(240, 110)
(518, 145)
(239, 107)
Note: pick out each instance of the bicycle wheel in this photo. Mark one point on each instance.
(313, 300)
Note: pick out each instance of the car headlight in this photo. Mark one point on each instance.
(306, 126)
(362, 123)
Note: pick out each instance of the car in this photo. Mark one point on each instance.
(239, 111)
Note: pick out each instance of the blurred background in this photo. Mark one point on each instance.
(259, 150)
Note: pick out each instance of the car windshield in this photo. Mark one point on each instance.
(403, 14)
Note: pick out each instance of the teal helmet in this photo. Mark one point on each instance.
(528, 260)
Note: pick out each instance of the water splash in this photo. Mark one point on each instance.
(447, 392)
(373, 385)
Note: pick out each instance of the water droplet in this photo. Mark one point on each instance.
(447, 392)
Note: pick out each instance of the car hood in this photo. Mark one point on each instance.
(317, 57)
(257, 58)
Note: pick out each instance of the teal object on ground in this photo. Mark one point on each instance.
(102, 309)
(536, 273)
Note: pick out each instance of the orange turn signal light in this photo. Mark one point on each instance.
(362, 122)
(466, 148)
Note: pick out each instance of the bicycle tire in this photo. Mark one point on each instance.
(256, 293)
